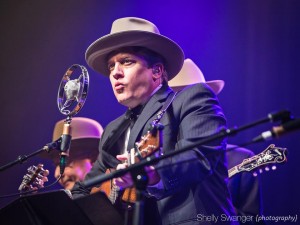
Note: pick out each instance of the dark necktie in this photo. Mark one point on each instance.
(132, 114)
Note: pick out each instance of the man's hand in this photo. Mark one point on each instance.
(126, 180)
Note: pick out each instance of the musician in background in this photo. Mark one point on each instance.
(86, 134)
(245, 188)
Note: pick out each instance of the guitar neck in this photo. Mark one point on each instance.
(271, 155)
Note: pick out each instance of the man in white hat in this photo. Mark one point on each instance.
(86, 135)
(191, 74)
(190, 187)
(244, 187)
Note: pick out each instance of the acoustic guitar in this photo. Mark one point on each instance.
(149, 144)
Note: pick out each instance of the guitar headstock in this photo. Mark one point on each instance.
(269, 157)
(34, 179)
(149, 144)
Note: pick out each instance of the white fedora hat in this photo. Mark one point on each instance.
(129, 32)
(190, 74)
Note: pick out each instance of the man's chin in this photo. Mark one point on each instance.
(68, 185)
(122, 100)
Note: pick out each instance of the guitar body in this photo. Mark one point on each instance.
(149, 144)
(112, 192)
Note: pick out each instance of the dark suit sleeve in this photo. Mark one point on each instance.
(79, 190)
(196, 116)
(99, 167)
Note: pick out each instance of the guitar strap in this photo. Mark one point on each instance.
(168, 102)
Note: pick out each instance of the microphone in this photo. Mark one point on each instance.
(65, 146)
(283, 116)
(72, 93)
(278, 130)
(72, 89)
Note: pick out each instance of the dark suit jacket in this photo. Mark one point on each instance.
(195, 187)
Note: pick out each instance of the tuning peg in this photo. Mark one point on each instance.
(267, 168)
(260, 171)
(255, 174)
(274, 167)
(45, 173)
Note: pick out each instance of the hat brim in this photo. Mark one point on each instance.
(216, 85)
(96, 54)
(80, 149)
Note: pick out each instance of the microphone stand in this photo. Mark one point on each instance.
(22, 158)
(140, 180)
(140, 177)
(62, 144)
(69, 92)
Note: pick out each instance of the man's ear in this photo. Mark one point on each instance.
(157, 70)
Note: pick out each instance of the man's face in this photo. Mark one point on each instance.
(75, 171)
(131, 79)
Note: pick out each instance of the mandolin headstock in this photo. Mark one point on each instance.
(34, 179)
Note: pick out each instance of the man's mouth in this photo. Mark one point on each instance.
(119, 87)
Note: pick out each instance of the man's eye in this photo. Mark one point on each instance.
(111, 67)
(127, 62)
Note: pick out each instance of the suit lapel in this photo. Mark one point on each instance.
(111, 136)
(152, 106)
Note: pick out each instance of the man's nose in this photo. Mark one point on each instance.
(117, 72)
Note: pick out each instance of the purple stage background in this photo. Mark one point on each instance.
(253, 45)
